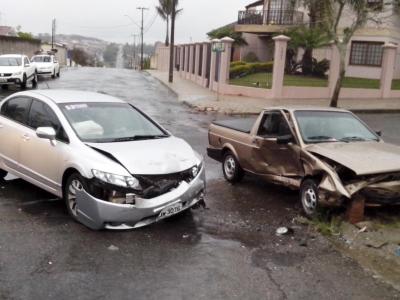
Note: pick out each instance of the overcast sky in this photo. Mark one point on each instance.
(105, 18)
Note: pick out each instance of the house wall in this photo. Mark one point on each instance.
(263, 47)
(15, 45)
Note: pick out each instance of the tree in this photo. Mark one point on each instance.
(165, 9)
(229, 31)
(361, 13)
(81, 57)
(307, 39)
(25, 35)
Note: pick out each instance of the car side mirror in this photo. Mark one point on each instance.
(285, 139)
(379, 133)
(46, 133)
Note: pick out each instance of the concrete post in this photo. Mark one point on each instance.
(204, 67)
(191, 49)
(225, 60)
(388, 65)
(212, 69)
(334, 68)
(278, 74)
(197, 61)
(181, 60)
(186, 60)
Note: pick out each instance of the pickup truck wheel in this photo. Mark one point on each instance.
(23, 83)
(73, 184)
(231, 168)
(309, 197)
(3, 174)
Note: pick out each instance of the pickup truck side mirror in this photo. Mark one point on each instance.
(285, 139)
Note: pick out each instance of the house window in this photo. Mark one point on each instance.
(366, 54)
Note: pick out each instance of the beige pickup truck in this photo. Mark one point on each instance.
(330, 155)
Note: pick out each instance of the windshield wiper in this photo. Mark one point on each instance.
(352, 139)
(139, 137)
(322, 138)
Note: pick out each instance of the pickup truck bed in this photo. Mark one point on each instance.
(244, 125)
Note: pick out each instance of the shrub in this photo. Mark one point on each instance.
(262, 67)
(237, 63)
(251, 68)
(320, 67)
(240, 71)
(251, 57)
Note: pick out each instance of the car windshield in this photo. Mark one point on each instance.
(328, 126)
(10, 61)
(41, 59)
(110, 122)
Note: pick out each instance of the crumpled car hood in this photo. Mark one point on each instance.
(363, 158)
(151, 157)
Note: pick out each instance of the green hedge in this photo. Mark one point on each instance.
(243, 69)
(237, 63)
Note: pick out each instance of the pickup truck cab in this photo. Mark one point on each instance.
(329, 154)
(16, 69)
(46, 65)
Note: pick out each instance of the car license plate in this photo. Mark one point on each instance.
(170, 211)
(3, 80)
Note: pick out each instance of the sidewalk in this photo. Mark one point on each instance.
(203, 99)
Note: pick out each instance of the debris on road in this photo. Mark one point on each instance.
(113, 248)
(283, 231)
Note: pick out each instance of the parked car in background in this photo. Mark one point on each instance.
(16, 69)
(113, 165)
(46, 65)
(329, 154)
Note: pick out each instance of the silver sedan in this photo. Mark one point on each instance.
(112, 164)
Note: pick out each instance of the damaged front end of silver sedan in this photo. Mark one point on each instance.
(104, 206)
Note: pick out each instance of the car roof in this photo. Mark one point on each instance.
(70, 96)
(11, 55)
(293, 108)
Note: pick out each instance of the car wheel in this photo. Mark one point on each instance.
(34, 82)
(58, 74)
(309, 197)
(73, 184)
(54, 74)
(3, 174)
(23, 83)
(4, 87)
(231, 168)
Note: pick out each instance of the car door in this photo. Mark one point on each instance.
(28, 69)
(273, 158)
(40, 158)
(56, 65)
(13, 124)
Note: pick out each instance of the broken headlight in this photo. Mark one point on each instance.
(118, 180)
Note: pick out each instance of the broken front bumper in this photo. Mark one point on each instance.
(98, 214)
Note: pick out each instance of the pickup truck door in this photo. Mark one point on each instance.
(269, 157)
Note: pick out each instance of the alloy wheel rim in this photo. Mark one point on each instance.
(309, 200)
(230, 167)
(74, 186)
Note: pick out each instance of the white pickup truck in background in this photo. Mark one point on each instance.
(46, 65)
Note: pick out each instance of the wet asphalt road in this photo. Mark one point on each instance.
(228, 251)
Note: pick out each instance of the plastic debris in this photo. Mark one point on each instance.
(283, 231)
(113, 248)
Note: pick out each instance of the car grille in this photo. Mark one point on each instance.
(156, 185)
(5, 74)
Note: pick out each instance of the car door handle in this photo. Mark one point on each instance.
(1, 126)
(26, 137)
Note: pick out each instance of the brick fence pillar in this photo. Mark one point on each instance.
(278, 74)
(213, 67)
(181, 60)
(225, 60)
(191, 53)
(186, 60)
(388, 66)
(204, 65)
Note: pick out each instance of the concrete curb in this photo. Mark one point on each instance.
(164, 84)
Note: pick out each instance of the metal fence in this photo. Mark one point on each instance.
(270, 17)
(256, 80)
(396, 80)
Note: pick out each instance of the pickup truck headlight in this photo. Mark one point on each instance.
(17, 73)
(119, 180)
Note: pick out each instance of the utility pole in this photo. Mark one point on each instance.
(134, 51)
(142, 35)
(53, 33)
(172, 44)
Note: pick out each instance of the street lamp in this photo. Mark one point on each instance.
(218, 46)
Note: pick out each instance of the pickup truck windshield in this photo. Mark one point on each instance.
(110, 122)
(328, 126)
(10, 61)
(41, 59)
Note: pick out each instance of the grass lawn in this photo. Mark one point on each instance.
(265, 81)
(396, 84)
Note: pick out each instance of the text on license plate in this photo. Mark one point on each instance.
(170, 211)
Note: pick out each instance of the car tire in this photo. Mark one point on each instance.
(309, 197)
(231, 168)
(4, 87)
(54, 74)
(3, 174)
(74, 182)
(58, 74)
(34, 81)
(23, 83)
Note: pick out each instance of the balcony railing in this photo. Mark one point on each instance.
(270, 17)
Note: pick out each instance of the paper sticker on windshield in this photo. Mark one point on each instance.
(76, 106)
